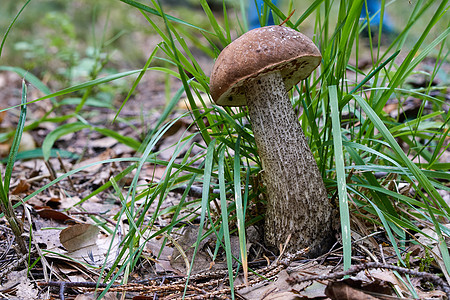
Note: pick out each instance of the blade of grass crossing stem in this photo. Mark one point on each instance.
(209, 159)
(224, 208)
(240, 211)
(416, 172)
(340, 177)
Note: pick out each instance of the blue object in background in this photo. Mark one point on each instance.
(255, 11)
(373, 8)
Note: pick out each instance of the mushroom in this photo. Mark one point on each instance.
(257, 70)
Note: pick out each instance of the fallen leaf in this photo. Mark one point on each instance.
(22, 187)
(338, 290)
(48, 213)
(79, 236)
(315, 291)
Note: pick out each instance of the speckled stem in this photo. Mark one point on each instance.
(297, 199)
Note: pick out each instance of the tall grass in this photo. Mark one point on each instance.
(349, 156)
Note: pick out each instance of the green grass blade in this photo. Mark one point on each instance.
(136, 82)
(386, 226)
(71, 172)
(209, 159)
(167, 111)
(159, 14)
(427, 50)
(308, 12)
(185, 81)
(37, 153)
(17, 138)
(340, 177)
(213, 21)
(62, 130)
(30, 78)
(83, 85)
(240, 209)
(417, 173)
(278, 13)
(126, 140)
(11, 25)
(224, 208)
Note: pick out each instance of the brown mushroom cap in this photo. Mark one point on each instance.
(257, 52)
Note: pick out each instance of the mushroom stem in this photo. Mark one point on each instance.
(297, 200)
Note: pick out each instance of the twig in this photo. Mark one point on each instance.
(62, 285)
(436, 280)
(288, 17)
(203, 285)
(17, 262)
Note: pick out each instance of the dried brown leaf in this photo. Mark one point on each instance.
(79, 236)
(48, 213)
